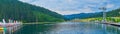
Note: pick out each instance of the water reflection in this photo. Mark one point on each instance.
(68, 28)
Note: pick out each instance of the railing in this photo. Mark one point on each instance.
(8, 28)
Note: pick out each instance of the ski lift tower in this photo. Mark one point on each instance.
(119, 12)
(104, 14)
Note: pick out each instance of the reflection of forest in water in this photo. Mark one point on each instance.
(68, 28)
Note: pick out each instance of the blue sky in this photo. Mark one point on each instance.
(67, 7)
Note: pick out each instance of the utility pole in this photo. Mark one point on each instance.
(104, 14)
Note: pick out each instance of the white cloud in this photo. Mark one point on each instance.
(110, 5)
(86, 10)
(68, 12)
(25, 0)
(66, 7)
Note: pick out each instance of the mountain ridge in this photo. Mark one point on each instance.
(113, 13)
(17, 10)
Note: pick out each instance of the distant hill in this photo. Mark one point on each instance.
(113, 13)
(81, 15)
(17, 10)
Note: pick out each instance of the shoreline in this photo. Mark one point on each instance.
(113, 24)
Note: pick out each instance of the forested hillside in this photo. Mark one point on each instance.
(17, 10)
(113, 13)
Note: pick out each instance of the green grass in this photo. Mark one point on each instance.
(109, 19)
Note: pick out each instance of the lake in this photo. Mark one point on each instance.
(68, 28)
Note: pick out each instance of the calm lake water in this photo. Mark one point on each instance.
(68, 28)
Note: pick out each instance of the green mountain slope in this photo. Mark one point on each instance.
(113, 13)
(111, 16)
(16, 10)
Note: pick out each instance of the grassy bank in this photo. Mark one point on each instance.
(99, 19)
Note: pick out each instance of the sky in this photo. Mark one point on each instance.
(68, 7)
